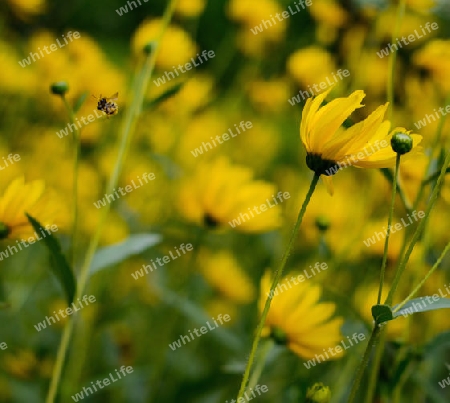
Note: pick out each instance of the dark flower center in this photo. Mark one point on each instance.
(4, 231)
(278, 336)
(210, 222)
(320, 166)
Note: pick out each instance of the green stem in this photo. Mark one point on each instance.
(388, 233)
(127, 130)
(260, 363)
(404, 260)
(76, 158)
(393, 58)
(360, 371)
(436, 141)
(419, 286)
(276, 279)
(375, 368)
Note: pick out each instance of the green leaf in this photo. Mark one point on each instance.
(382, 313)
(422, 304)
(198, 316)
(441, 341)
(113, 254)
(402, 368)
(80, 101)
(164, 96)
(58, 263)
(429, 388)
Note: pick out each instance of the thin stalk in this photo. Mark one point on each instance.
(404, 260)
(360, 371)
(260, 363)
(388, 233)
(127, 130)
(76, 157)
(419, 286)
(373, 376)
(276, 279)
(380, 346)
(436, 140)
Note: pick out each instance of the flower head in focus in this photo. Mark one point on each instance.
(298, 319)
(330, 147)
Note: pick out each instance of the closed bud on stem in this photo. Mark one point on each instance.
(401, 143)
(59, 88)
(318, 393)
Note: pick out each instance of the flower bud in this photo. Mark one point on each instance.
(401, 143)
(318, 393)
(59, 88)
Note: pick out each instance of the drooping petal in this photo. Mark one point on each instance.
(329, 118)
(354, 139)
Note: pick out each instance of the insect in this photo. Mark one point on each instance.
(108, 105)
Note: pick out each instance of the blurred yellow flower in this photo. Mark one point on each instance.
(330, 16)
(189, 8)
(435, 58)
(28, 8)
(364, 145)
(219, 193)
(311, 65)
(22, 364)
(176, 46)
(270, 95)
(223, 272)
(217, 306)
(297, 314)
(20, 198)
(411, 24)
(422, 6)
(244, 11)
(15, 78)
(194, 94)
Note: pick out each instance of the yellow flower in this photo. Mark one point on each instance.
(222, 265)
(189, 8)
(269, 95)
(329, 147)
(297, 314)
(434, 58)
(330, 16)
(22, 364)
(311, 65)
(422, 6)
(245, 12)
(28, 8)
(220, 195)
(176, 45)
(20, 198)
